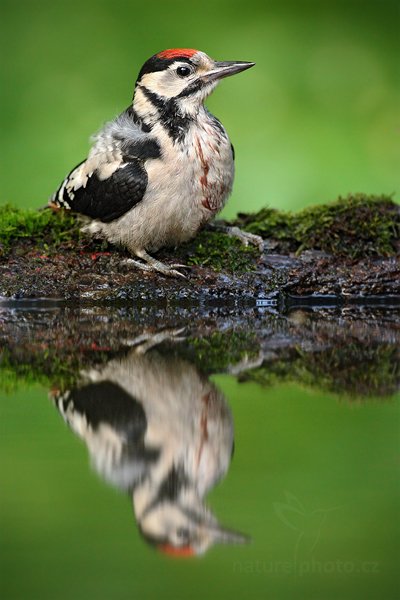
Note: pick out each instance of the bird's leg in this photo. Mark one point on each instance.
(244, 236)
(247, 363)
(152, 264)
(144, 342)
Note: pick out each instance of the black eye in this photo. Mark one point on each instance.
(183, 71)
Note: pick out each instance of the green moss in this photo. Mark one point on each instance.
(44, 369)
(61, 368)
(49, 229)
(269, 223)
(221, 253)
(49, 367)
(13, 380)
(44, 226)
(353, 370)
(356, 226)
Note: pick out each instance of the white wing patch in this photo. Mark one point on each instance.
(105, 156)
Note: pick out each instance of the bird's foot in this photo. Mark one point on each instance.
(244, 236)
(152, 264)
(247, 363)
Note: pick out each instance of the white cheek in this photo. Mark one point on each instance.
(172, 87)
(163, 83)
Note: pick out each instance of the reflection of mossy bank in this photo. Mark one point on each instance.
(46, 369)
(217, 352)
(354, 356)
(356, 371)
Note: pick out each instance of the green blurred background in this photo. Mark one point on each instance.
(317, 117)
(67, 535)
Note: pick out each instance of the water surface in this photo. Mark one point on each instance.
(156, 454)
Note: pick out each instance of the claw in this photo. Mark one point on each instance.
(179, 266)
(173, 273)
(152, 264)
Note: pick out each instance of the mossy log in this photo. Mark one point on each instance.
(346, 249)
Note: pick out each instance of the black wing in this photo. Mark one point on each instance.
(106, 403)
(109, 198)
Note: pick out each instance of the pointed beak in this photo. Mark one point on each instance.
(228, 536)
(225, 69)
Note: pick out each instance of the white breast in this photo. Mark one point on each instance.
(187, 186)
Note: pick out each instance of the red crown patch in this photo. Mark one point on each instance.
(177, 52)
(177, 552)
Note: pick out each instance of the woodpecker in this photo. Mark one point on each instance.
(160, 431)
(162, 169)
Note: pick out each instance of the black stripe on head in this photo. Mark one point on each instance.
(160, 103)
(192, 88)
(155, 63)
(130, 111)
(170, 488)
(173, 484)
(171, 117)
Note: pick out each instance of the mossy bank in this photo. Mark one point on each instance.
(347, 247)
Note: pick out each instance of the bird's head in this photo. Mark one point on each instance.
(185, 527)
(184, 76)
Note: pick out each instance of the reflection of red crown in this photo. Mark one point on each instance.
(177, 52)
(176, 551)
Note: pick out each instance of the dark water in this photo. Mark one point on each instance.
(159, 454)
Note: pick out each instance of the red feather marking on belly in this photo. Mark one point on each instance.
(204, 177)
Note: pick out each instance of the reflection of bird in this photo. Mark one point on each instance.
(161, 431)
(164, 167)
